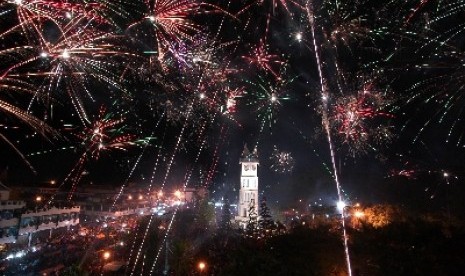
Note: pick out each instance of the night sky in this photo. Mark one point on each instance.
(124, 94)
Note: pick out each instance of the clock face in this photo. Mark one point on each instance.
(254, 167)
(247, 167)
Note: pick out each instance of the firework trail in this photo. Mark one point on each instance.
(105, 134)
(186, 183)
(273, 5)
(325, 121)
(165, 178)
(439, 92)
(77, 58)
(31, 121)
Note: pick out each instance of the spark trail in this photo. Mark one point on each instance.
(326, 126)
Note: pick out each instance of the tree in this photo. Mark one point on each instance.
(379, 215)
(225, 223)
(265, 223)
(74, 270)
(251, 228)
(206, 215)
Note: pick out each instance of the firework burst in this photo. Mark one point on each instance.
(283, 162)
(32, 14)
(170, 22)
(268, 97)
(438, 95)
(441, 96)
(265, 61)
(106, 133)
(70, 64)
(357, 120)
(31, 121)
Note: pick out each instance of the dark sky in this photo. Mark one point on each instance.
(359, 43)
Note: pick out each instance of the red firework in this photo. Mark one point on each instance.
(171, 22)
(353, 114)
(67, 64)
(31, 12)
(105, 133)
(261, 58)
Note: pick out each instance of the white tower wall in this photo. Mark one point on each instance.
(248, 192)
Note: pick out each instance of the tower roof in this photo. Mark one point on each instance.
(248, 156)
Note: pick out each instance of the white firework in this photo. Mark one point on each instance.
(283, 162)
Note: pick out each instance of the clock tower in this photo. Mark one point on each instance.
(248, 193)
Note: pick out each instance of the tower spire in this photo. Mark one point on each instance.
(248, 156)
(245, 152)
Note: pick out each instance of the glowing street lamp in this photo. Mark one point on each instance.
(202, 266)
(106, 255)
(177, 194)
(38, 198)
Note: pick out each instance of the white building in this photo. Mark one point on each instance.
(248, 193)
(16, 220)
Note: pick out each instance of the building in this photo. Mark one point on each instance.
(17, 221)
(10, 215)
(47, 218)
(248, 192)
(101, 206)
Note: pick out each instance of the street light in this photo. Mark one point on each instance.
(106, 255)
(202, 266)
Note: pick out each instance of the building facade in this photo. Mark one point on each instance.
(248, 192)
(19, 222)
